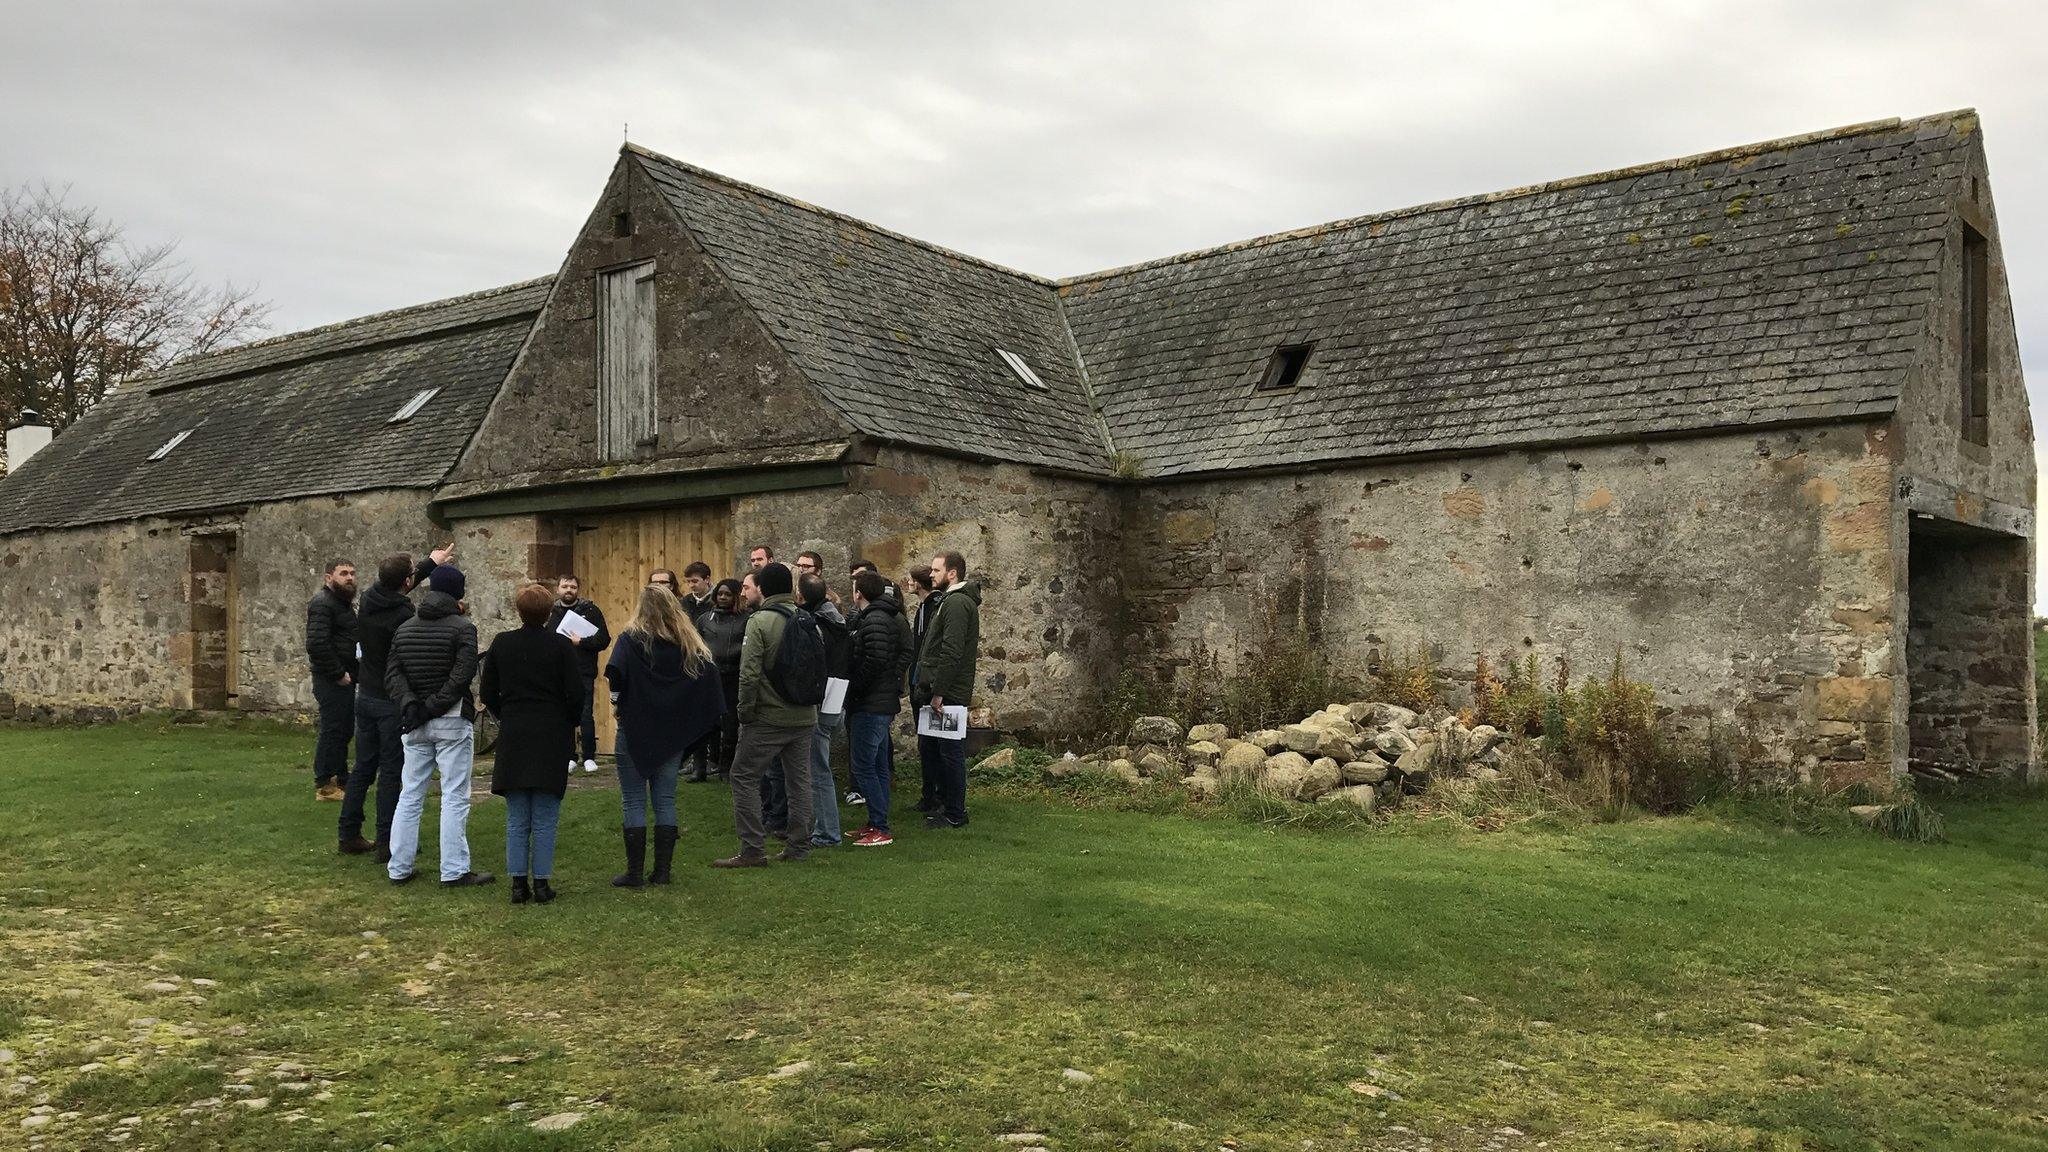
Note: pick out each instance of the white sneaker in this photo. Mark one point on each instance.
(853, 798)
(572, 767)
(590, 765)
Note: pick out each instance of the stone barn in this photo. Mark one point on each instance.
(1753, 419)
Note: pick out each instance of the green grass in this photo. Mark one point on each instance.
(1709, 982)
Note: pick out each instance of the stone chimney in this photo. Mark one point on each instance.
(29, 435)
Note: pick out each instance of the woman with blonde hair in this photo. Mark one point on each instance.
(666, 697)
(533, 685)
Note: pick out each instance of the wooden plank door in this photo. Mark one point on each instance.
(625, 361)
(615, 553)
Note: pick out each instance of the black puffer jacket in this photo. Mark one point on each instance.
(382, 613)
(331, 636)
(881, 655)
(433, 658)
(723, 632)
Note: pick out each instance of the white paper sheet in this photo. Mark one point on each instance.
(575, 627)
(835, 696)
(948, 725)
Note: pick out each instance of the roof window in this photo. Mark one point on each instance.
(1283, 371)
(413, 406)
(173, 442)
(1023, 370)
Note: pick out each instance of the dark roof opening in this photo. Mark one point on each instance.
(622, 224)
(1284, 370)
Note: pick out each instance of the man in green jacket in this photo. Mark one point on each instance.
(943, 676)
(770, 726)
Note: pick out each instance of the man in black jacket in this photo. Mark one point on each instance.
(432, 660)
(568, 599)
(331, 654)
(379, 755)
(874, 697)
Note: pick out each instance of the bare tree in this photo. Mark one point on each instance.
(82, 310)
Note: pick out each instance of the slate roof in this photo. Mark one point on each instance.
(297, 415)
(1786, 281)
(899, 335)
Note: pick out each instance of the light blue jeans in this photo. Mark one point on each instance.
(824, 786)
(531, 815)
(446, 745)
(636, 791)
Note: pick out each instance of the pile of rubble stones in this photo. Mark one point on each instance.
(1364, 753)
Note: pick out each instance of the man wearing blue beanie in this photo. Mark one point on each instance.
(433, 658)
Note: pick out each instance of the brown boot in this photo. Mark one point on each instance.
(356, 846)
(741, 861)
(328, 790)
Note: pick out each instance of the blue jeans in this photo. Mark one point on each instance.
(380, 760)
(867, 740)
(531, 815)
(824, 786)
(636, 791)
(446, 745)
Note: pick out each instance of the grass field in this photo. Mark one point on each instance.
(182, 941)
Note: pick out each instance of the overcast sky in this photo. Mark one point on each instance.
(378, 154)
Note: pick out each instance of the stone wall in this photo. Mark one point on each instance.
(1041, 547)
(1748, 577)
(1972, 677)
(116, 618)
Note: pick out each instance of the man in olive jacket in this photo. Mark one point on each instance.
(770, 726)
(943, 676)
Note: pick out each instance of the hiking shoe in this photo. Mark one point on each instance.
(873, 838)
(855, 798)
(469, 880)
(328, 790)
(589, 766)
(741, 861)
(355, 846)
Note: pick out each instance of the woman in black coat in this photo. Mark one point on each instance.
(532, 684)
(666, 696)
(723, 628)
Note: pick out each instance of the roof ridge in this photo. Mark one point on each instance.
(834, 214)
(199, 361)
(1674, 164)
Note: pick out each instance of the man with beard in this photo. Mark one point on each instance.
(568, 598)
(944, 676)
(331, 654)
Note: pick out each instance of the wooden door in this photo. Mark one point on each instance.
(615, 553)
(625, 361)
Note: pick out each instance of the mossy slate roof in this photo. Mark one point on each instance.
(299, 415)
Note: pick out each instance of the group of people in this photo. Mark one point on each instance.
(749, 678)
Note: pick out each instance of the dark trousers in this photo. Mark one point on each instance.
(587, 726)
(764, 751)
(729, 724)
(929, 794)
(380, 761)
(945, 761)
(337, 722)
(775, 796)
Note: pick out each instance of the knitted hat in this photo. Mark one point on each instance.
(447, 578)
(773, 580)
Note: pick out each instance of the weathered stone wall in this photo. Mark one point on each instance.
(1041, 547)
(114, 618)
(1972, 679)
(722, 385)
(1748, 577)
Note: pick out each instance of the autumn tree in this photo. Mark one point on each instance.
(82, 310)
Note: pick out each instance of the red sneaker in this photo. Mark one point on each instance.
(873, 838)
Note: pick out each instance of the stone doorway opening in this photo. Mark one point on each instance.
(1969, 651)
(212, 593)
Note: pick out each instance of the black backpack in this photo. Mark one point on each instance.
(799, 672)
(839, 647)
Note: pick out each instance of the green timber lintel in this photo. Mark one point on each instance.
(622, 495)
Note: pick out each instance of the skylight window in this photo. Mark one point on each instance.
(173, 442)
(413, 406)
(1022, 369)
(1284, 370)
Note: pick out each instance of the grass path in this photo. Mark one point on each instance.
(1665, 984)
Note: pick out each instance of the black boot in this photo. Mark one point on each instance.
(664, 851)
(543, 892)
(636, 859)
(520, 892)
